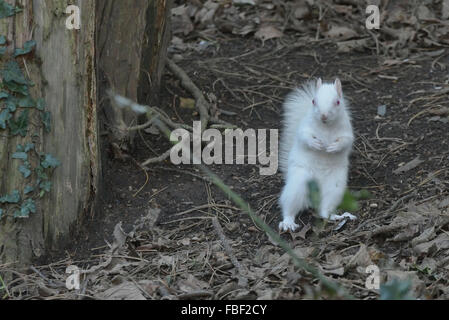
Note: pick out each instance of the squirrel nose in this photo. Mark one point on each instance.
(323, 118)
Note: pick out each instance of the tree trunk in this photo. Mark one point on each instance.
(121, 42)
(132, 41)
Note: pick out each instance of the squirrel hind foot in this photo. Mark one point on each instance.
(287, 225)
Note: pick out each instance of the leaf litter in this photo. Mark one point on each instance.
(406, 236)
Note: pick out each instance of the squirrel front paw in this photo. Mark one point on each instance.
(316, 144)
(288, 224)
(334, 147)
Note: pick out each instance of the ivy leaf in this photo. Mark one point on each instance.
(2, 51)
(20, 155)
(7, 10)
(14, 197)
(25, 170)
(2, 40)
(11, 104)
(5, 115)
(45, 185)
(28, 206)
(40, 104)
(27, 48)
(21, 125)
(41, 175)
(46, 120)
(50, 162)
(29, 146)
(27, 102)
(19, 88)
(4, 94)
(28, 189)
(13, 73)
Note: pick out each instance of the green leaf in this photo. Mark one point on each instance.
(46, 120)
(13, 73)
(14, 197)
(7, 10)
(2, 51)
(28, 189)
(349, 202)
(25, 170)
(5, 115)
(11, 103)
(1, 213)
(50, 162)
(20, 155)
(2, 40)
(19, 88)
(28, 206)
(41, 175)
(45, 185)
(40, 104)
(27, 102)
(396, 290)
(314, 194)
(29, 146)
(20, 126)
(27, 48)
(4, 94)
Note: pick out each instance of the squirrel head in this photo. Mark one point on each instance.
(328, 101)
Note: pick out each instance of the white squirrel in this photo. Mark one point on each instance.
(315, 145)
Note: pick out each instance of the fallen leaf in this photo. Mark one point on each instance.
(408, 166)
(341, 33)
(268, 32)
(124, 291)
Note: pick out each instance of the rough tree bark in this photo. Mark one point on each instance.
(126, 40)
(132, 40)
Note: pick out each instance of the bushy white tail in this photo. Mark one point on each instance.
(297, 104)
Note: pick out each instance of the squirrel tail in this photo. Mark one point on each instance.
(297, 104)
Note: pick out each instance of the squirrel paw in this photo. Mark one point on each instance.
(333, 147)
(286, 225)
(337, 217)
(316, 143)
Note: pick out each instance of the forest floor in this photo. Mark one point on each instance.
(154, 237)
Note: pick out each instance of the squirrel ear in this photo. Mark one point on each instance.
(319, 82)
(337, 85)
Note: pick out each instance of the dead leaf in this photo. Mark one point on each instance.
(341, 33)
(362, 258)
(408, 166)
(267, 32)
(125, 291)
(180, 21)
(431, 247)
(353, 45)
(445, 10)
(303, 232)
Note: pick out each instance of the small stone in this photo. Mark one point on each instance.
(382, 110)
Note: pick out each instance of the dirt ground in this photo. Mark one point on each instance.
(167, 246)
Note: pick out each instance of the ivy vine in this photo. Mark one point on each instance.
(16, 102)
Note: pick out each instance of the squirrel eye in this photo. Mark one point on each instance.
(338, 102)
(313, 101)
